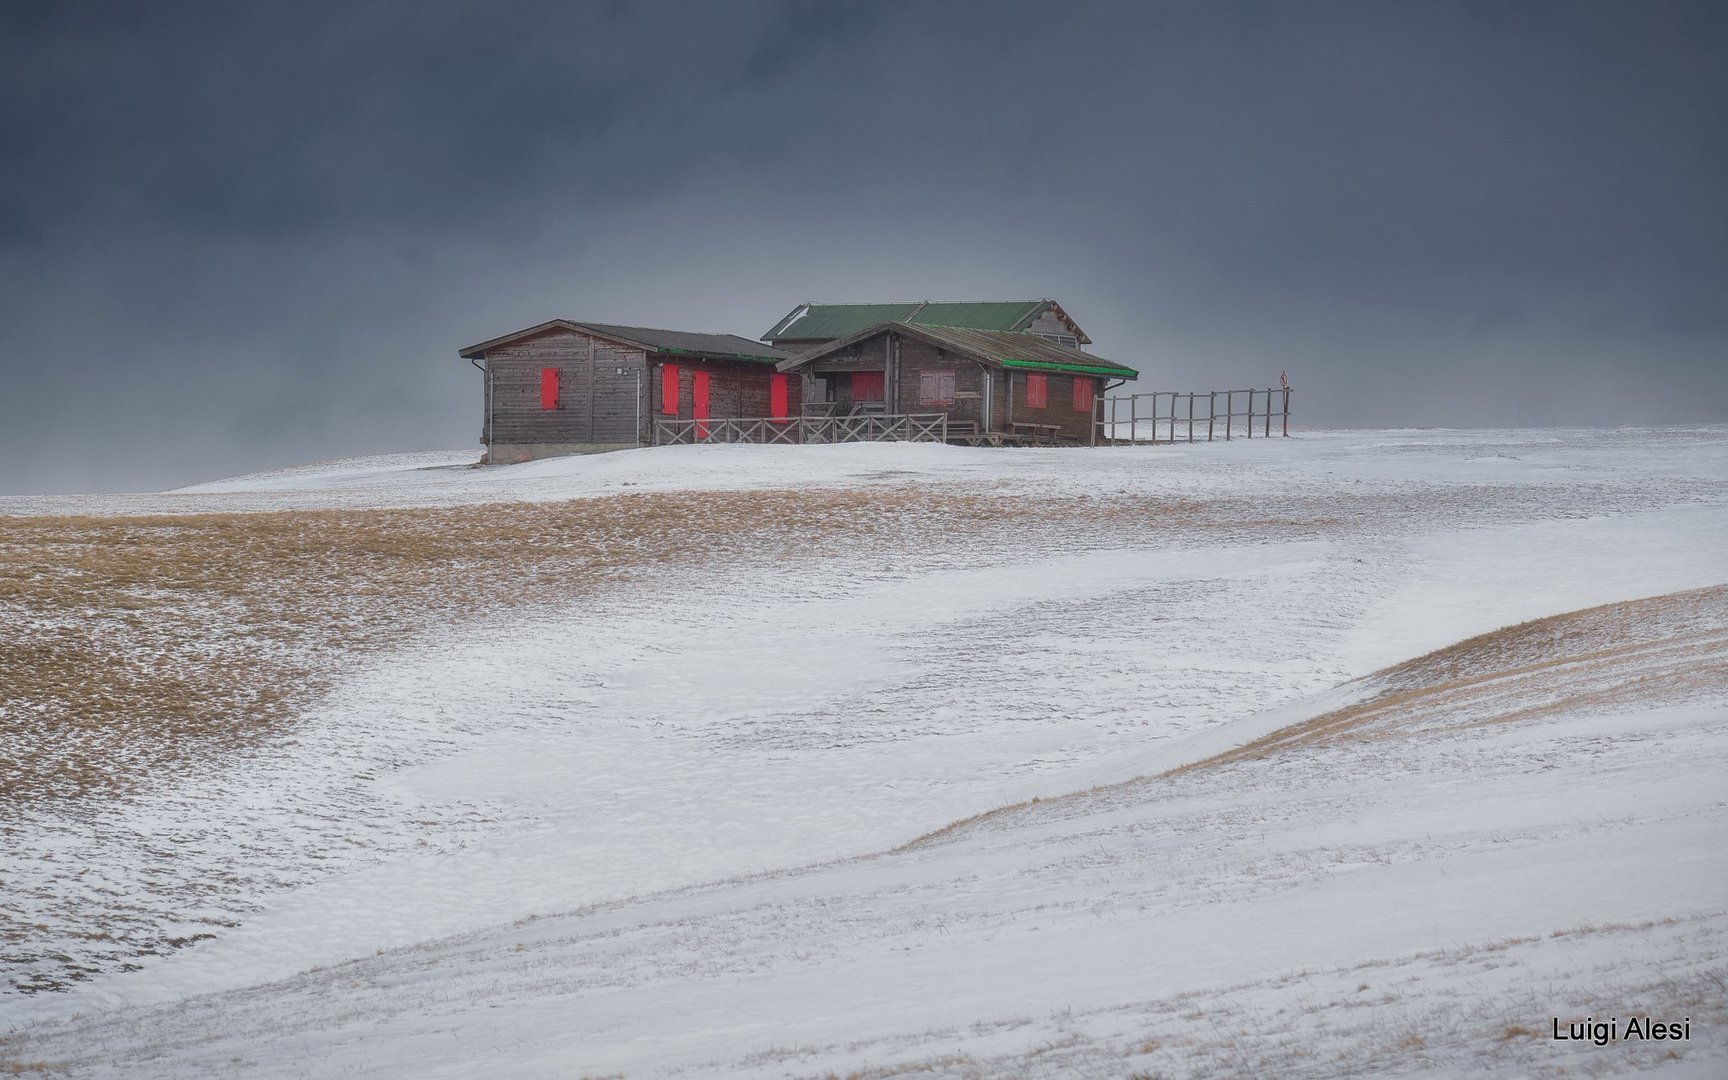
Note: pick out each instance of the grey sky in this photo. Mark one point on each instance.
(234, 236)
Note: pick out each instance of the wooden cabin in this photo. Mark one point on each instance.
(566, 387)
(809, 325)
(994, 385)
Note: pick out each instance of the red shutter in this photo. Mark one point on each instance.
(548, 388)
(1082, 394)
(669, 389)
(777, 407)
(1037, 391)
(869, 386)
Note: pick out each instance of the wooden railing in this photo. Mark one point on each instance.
(881, 427)
(1198, 416)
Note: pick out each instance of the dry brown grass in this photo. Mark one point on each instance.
(1668, 647)
(1658, 649)
(135, 650)
(132, 646)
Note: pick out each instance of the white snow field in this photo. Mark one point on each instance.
(1252, 822)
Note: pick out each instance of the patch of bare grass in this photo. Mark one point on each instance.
(135, 645)
(1656, 650)
(1641, 652)
(132, 646)
(138, 650)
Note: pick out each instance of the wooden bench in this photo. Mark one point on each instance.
(968, 433)
(1037, 433)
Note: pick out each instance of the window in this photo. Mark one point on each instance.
(1062, 339)
(1037, 391)
(777, 405)
(936, 388)
(669, 389)
(548, 388)
(1082, 394)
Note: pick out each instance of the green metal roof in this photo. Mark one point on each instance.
(827, 322)
(1010, 315)
(1017, 350)
(1003, 347)
(1111, 370)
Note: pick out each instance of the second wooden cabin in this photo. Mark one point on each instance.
(993, 385)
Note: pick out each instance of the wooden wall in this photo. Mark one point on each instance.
(1058, 408)
(736, 388)
(595, 403)
(868, 355)
(917, 357)
(1048, 323)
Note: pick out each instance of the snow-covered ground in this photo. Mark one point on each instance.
(670, 832)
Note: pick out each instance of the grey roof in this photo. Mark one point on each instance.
(998, 348)
(684, 341)
(674, 342)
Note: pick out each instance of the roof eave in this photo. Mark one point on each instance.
(474, 352)
(1111, 371)
(1068, 321)
(705, 355)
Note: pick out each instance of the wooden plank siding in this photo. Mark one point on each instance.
(871, 355)
(596, 405)
(1058, 410)
(736, 389)
(1050, 323)
(917, 357)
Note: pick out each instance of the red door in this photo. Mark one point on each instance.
(699, 402)
(869, 386)
(669, 389)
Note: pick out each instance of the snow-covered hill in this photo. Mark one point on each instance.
(697, 826)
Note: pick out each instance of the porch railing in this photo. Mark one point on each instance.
(881, 427)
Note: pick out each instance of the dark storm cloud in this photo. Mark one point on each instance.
(237, 235)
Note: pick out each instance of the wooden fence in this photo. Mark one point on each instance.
(878, 427)
(1198, 416)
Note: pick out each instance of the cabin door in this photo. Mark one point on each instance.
(699, 402)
